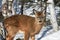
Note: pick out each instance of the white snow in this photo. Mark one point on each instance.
(54, 36)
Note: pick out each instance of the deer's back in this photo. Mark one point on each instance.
(19, 22)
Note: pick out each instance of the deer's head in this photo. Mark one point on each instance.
(39, 16)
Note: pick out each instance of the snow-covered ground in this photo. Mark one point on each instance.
(54, 36)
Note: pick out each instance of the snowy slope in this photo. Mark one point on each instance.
(54, 36)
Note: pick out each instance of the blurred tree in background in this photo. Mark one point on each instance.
(22, 2)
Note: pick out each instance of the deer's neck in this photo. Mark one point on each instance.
(38, 27)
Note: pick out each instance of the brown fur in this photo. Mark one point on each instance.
(30, 25)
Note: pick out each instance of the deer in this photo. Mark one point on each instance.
(29, 25)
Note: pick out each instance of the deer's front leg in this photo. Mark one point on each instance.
(26, 37)
(32, 37)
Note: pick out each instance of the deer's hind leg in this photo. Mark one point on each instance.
(9, 37)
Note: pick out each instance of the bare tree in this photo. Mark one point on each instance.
(22, 4)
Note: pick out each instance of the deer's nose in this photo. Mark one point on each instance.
(40, 21)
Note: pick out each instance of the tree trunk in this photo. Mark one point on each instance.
(3, 1)
(22, 6)
(53, 15)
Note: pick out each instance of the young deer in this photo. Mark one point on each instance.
(29, 25)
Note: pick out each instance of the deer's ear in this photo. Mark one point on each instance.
(34, 11)
(43, 12)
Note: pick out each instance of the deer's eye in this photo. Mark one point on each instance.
(42, 17)
(37, 17)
